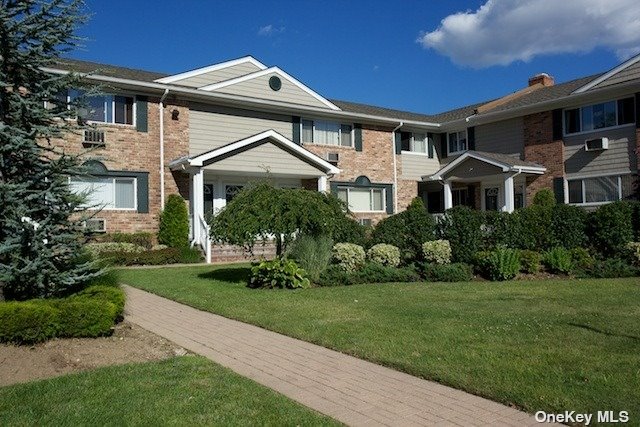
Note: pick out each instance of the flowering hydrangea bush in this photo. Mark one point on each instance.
(437, 251)
(384, 254)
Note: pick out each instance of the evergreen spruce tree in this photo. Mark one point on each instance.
(40, 226)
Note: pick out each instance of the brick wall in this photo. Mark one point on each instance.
(540, 147)
(126, 149)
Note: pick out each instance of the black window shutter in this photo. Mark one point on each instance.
(443, 145)
(295, 129)
(398, 139)
(430, 144)
(637, 110)
(558, 189)
(142, 180)
(142, 124)
(556, 118)
(357, 136)
(471, 138)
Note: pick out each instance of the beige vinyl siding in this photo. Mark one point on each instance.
(265, 158)
(629, 73)
(219, 75)
(259, 88)
(473, 168)
(620, 156)
(505, 137)
(415, 166)
(214, 126)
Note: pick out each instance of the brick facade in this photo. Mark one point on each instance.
(539, 147)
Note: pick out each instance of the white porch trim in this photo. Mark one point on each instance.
(506, 167)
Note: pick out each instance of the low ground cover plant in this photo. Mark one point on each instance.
(278, 273)
(371, 272)
(456, 272)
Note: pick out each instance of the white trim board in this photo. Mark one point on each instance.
(608, 74)
(276, 70)
(199, 160)
(198, 71)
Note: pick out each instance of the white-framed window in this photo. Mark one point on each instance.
(231, 190)
(116, 193)
(599, 116)
(363, 199)
(600, 189)
(117, 109)
(459, 196)
(414, 142)
(457, 142)
(326, 133)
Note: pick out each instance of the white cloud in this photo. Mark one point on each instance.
(270, 30)
(503, 31)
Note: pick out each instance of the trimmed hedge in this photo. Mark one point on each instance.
(370, 273)
(154, 257)
(141, 238)
(90, 313)
(461, 226)
(611, 227)
(457, 272)
(568, 226)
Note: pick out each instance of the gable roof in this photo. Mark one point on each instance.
(505, 162)
(609, 74)
(210, 68)
(372, 110)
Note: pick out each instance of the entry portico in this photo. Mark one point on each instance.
(216, 175)
(502, 177)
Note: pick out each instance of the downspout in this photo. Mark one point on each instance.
(161, 113)
(395, 168)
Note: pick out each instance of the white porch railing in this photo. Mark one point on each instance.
(203, 238)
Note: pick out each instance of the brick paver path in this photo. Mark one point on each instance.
(348, 389)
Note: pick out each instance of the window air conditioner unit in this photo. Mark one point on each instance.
(96, 225)
(93, 138)
(333, 158)
(596, 144)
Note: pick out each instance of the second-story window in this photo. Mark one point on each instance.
(457, 142)
(326, 133)
(110, 109)
(414, 142)
(599, 116)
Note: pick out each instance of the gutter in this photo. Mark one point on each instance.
(161, 113)
(395, 168)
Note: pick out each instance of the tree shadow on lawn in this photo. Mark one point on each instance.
(228, 274)
(601, 331)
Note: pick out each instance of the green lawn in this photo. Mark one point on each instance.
(542, 345)
(180, 391)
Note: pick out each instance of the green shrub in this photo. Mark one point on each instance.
(109, 277)
(480, 261)
(110, 294)
(97, 249)
(458, 272)
(155, 257)
(348, 256)
(558, 260)
(174, 223)
(461, 226)
(500, 229)
(534, 223)
(28, 321)
(371, 272)
(313, 254)
(85, 317)
(610, 268)
(581, 258)
(348, 230)
(407, 230)
(633, 249)
(502, 264)
(568, 226)
(278, 273)
(437, 251)
(544, 198)
(530, 261)
(611, 228)
(384, 254)
(142, 238)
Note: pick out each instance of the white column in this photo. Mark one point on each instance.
(197, 198)
(509, 202)
(448, 195)
(322, 184)
(192, 230)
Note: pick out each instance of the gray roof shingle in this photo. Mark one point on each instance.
(108, 70)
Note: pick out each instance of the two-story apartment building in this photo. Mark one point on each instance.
(206, 133)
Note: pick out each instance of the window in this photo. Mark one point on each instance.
(599, 116)
(491, 198)
(99, 108)
(457, 141)
(326, 133)
(231, 191)
(106, 192)
(363, 199)
(414, 142)
(601, 189)
(460, 196)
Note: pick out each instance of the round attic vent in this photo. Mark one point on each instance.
(275, 83)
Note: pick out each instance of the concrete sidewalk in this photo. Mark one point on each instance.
(348, 389)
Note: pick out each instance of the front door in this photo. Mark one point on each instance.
(491, 198)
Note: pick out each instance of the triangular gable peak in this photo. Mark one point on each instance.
(272, 84)
(215, 73)
(627, 71)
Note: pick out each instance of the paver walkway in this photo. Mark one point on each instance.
(348, 389)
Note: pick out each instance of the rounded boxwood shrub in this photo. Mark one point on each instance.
(384, 254)
(279, 273)
(461, 226)
(611, 228)
(558, 260)
(28, 321)
(348, 256)
(174, 223)
(437, 251)
(110, 294)
(457, 272)
(568, 226)
(85, 317)
(544, 198)
(530, 261)
(502, 264)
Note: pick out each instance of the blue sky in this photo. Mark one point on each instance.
(375, 51)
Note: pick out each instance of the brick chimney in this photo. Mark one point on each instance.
(542, 78)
